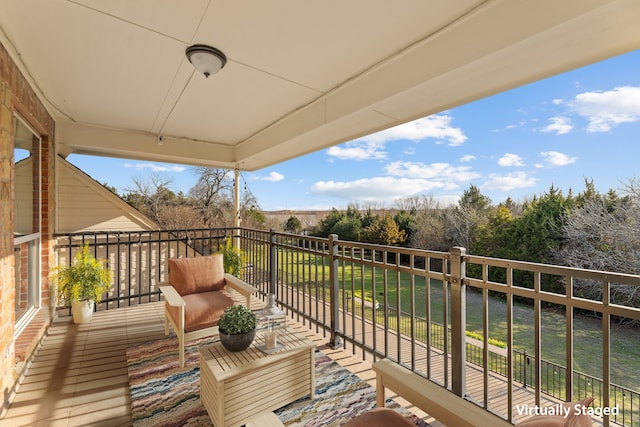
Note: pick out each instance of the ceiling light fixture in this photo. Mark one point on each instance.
(206, 59)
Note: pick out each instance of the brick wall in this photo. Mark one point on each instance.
(16, 95)
(6, 239)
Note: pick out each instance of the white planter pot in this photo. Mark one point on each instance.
(82, 311)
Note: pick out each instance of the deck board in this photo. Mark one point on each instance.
(81, 369)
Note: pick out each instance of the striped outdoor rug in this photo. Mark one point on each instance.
(162, 394)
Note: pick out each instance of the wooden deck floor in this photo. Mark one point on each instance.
(79, 374)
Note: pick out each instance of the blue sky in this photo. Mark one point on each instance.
(559, 131)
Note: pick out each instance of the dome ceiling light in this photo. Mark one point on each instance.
(206, 59)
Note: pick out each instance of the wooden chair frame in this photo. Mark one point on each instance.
(173, 298)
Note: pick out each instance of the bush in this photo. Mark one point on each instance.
(232, 258)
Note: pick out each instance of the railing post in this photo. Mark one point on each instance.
(524, 369)
(458, 321)
(334, 302)
(273, 262)
(271, 308)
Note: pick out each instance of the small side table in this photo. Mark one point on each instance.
(236, 386)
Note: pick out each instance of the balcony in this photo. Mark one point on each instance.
(360, 303)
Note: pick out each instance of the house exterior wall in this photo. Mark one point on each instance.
(7, 272)
(86, 205)
(23, 203)
(16, 95)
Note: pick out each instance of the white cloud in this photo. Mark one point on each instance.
(555, 158)
(371, 147)
(378, 189)
(559, 125)
(520, 124)
(155, 168)
(508, 182)
(435, 171)
(467, 158)
(359, 150)
(607, 109)
(437, 127)
(404, 179)
(273, 177)
(510, 159)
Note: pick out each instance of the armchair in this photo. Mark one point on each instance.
(196, 296)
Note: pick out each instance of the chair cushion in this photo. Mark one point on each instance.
(382, 417)
(198, 274)
(202, 310)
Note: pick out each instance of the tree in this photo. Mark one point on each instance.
(149, 195)
(293, 225)
(604, 234)
(176, 217)
(111, 188)
(473, 199)
(384, 231)
(534, 236)
(346, 224)
(491, 237)
(406, 222)
(250, 213)
(430, 232)
(421, 218)
(212, 195)
(328, 223)
(348, 228)
(461, 222)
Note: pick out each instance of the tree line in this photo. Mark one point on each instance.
(208, 204)
(589, 230)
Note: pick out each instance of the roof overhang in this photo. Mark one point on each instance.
(301, 76)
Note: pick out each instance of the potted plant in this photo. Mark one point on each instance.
(237, 327)
(82, 284)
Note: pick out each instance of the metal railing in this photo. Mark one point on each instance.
(387, 302)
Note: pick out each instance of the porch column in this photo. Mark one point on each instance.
(458, 321)
(236, 208)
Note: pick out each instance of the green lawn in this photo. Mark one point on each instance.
(369, 283)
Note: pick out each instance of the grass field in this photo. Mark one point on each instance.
(369, 284)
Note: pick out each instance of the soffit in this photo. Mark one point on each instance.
(301, 76)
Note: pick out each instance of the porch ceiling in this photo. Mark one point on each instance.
(300, 76)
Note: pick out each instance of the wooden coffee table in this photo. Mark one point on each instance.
(234, 387)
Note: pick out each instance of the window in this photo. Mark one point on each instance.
(27, 223)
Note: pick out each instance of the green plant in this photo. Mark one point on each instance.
(86, 279)
(492, 341)
(237, 319)
(232, 257)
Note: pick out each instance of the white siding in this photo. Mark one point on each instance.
(23, 203)
(85, 205)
